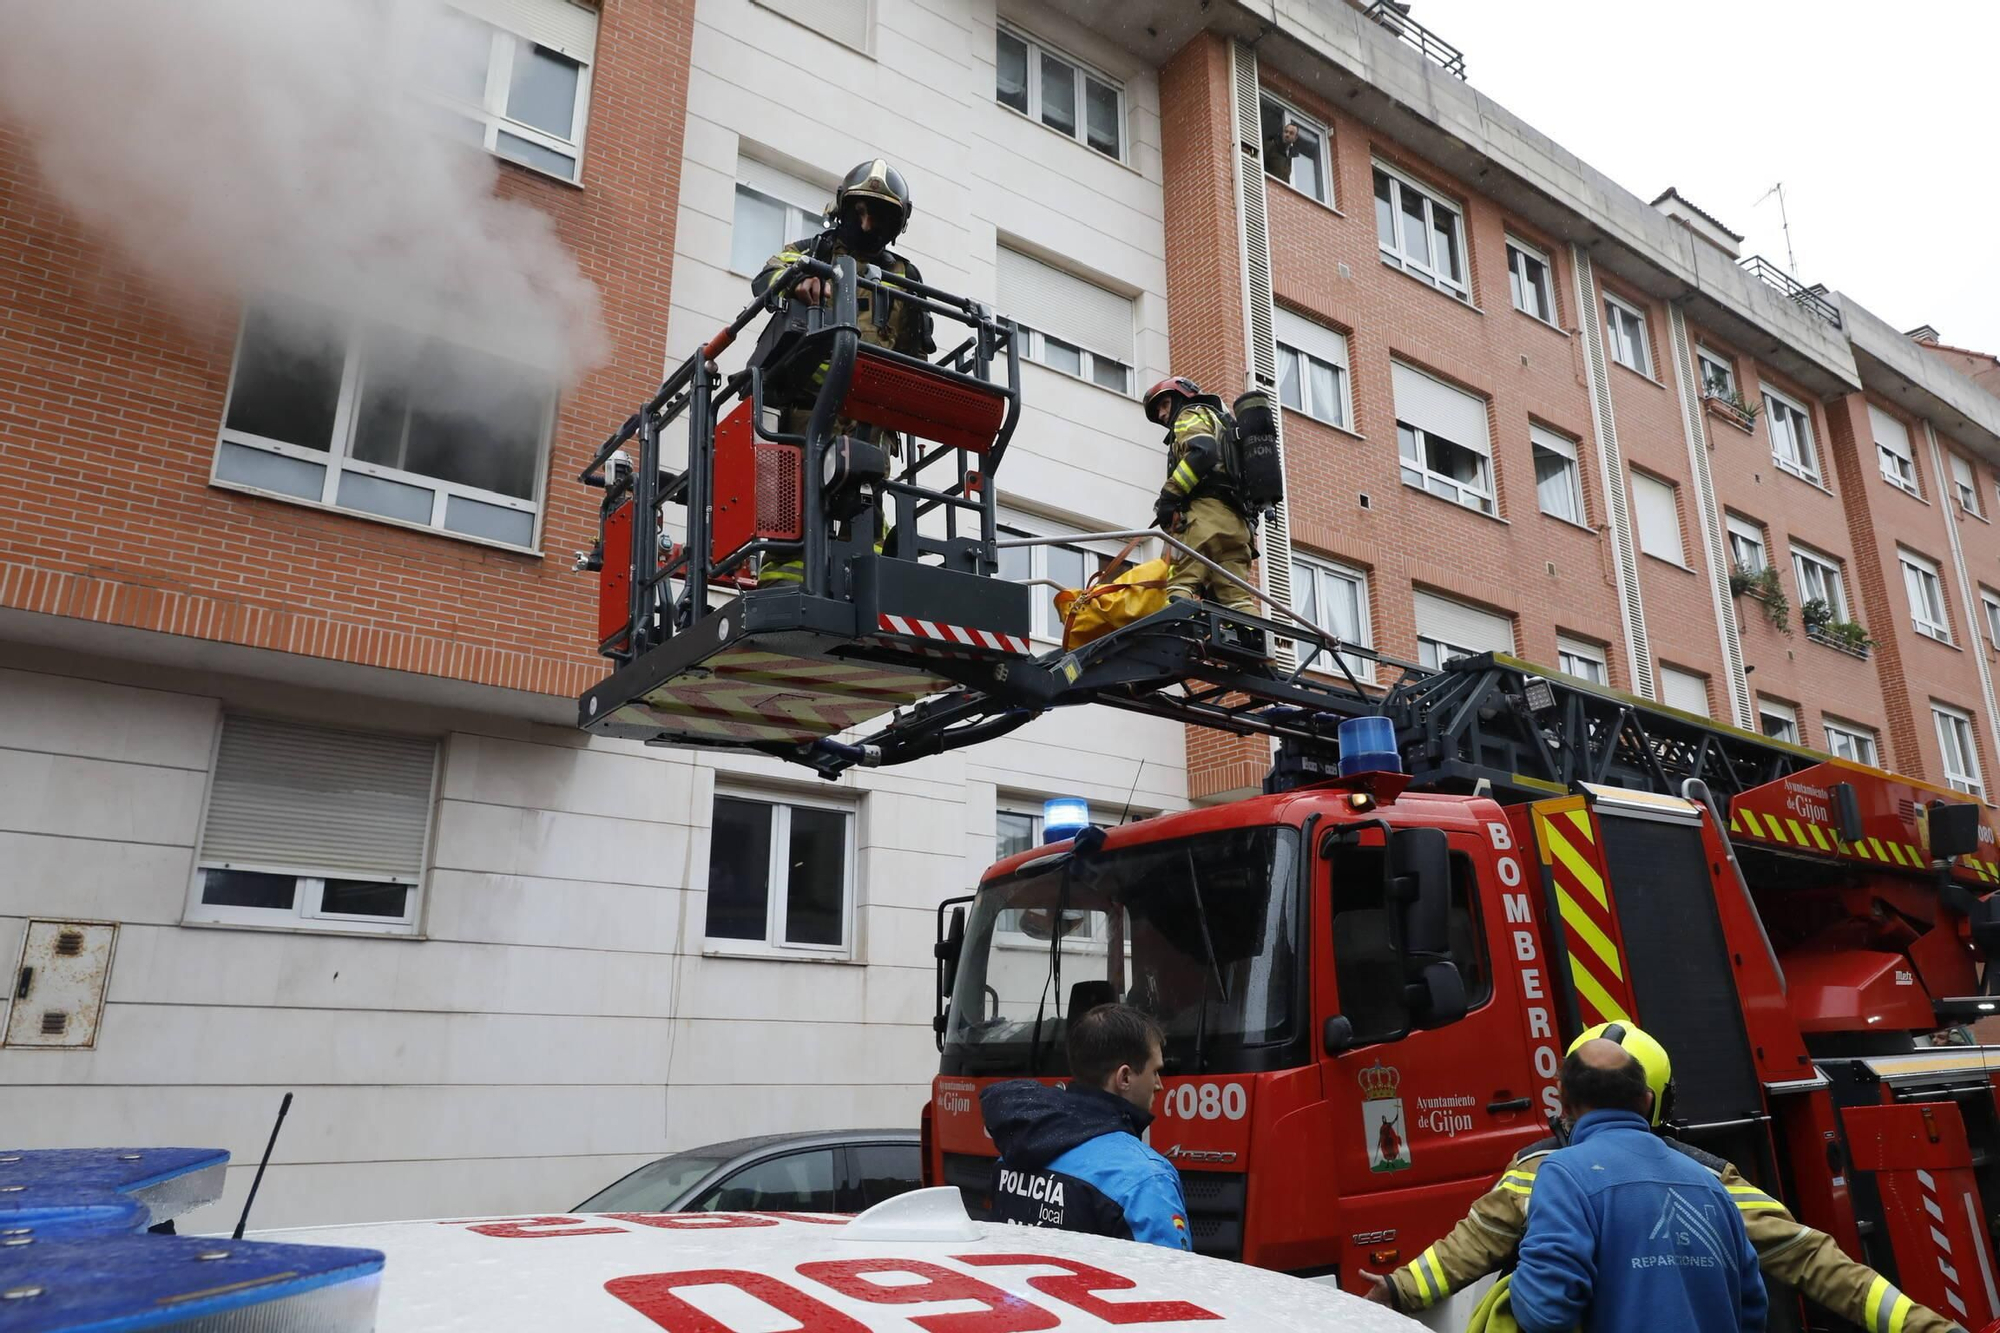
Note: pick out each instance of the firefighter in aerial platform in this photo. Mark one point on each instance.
(869, 211)
(1201, 503)
(1788, 1251)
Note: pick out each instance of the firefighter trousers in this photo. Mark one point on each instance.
(1223, 535)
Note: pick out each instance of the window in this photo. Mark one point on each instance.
(1849, 740)
(1072, 325)
(1961, 760)
(1963, 486)
(1335, 598)
(1300, 162)
(1926, 590)
(780, 875)
(369, 418)
(1892, 450)
(522, 96)
(1819, 580)
(1658, 512)
(1778, 721)
(1625, 335)
(1583, 659)
(1685, 690)
(772, 210)
(1791, 436)
(799, 1182)
(1746, 545)
(1366, 964)
(845, 21)
(1528, 281)
(881, 1171)
(1989, 602)
(1448, 629)
(1063, 565)
(314, 829)
(1718, 374)
(1312, 368)
(1442, 436)
(1020, 830)
(1060, 93)
(1419, 232)
(1558, 482)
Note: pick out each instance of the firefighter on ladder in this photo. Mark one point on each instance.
(869, 211)
(1199, 502)
(1788, 1251)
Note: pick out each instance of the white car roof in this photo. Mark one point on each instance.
(753, 1272)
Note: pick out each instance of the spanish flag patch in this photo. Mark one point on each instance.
(1180, 1223)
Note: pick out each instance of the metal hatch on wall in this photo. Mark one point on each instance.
(58, 991)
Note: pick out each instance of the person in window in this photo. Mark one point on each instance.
(1788, 1251)
(1280, 149)
(1071, 1158)
(1199, 502)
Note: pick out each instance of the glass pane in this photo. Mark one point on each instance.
(1069, 566)
(1100, 107)
(1010, 59)
(656, 1187)
(456, 49)
(816, 878)
(1015, 560)
(739, 867)
(271, 472)
(1406, 443)
(1306, 174)
(1271, 119)
(1343, 609)
(452, 413)
(759, 230)
(799, 1183)
(1326, 395)
(543, 90)
(1014, 833)
(1385, 213)
(378, 495)
(1061, 356)
(534, 155)
(1288, 378)
(884, 1170)
(1517, 263)
(1553, 485)
(288, 372)
(1416, 236)
(357, 897)
(1305, 586)
(1455, 461)
(1058, 94)
(494, 522)
(248, 888)
(1111, 374)
(1444, 227)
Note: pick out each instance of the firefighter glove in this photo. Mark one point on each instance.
(1166, 511)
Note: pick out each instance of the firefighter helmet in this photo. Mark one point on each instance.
(1172, 384)
(877, 181)
(1652, 1058)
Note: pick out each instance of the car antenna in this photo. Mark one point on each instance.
(263, 1162)
(1122, 814)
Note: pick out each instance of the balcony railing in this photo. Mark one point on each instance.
(1436, 49)
(1810, 299)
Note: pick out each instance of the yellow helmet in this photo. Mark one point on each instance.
(1652, 1058)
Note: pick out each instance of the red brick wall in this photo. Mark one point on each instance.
(110, 403)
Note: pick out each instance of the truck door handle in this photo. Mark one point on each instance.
(1511, 1104)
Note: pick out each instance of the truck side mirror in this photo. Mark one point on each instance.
(1847, 812)
(1420, 864)
(1338, 1034)
(1954, 830)
(947, 951)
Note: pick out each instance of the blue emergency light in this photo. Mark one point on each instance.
(1368, 745)
(1063, 816)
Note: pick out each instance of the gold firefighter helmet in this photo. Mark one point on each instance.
(1652, 1058)
(878, 181)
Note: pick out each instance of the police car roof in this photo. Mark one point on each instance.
(895, 1268)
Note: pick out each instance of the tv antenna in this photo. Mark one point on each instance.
(1791, 261)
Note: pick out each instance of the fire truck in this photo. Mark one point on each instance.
(1366, 976)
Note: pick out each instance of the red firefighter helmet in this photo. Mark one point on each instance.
(1172, 384)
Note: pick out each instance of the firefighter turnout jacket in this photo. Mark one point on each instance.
(899, 325)
(1788, 1251)
(1071, 1158)
(1194, 452)
(1200, 502)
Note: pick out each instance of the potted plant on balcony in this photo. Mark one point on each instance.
(1815, 615)
(1849, 636)
(1763, 585)
(1730, 405)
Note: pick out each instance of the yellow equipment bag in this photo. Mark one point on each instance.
(1093, 612)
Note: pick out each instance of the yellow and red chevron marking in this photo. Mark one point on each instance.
(1597, 967)
(1796, 813)
(749, 695)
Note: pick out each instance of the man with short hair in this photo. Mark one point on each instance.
(1625, 1233)
(1071, 1157)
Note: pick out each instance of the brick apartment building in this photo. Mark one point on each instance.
(1528, 412)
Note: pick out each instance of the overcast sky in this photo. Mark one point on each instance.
(1880, 118)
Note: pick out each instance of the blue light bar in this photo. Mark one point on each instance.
(1368, 745)
(1063, 816)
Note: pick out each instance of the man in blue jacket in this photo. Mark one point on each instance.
(1623, 1232)
(1071, 1157)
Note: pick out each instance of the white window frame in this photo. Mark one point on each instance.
(1695, 677)
(1034, 347)
(1304, 330)
(1810, 566)
(1849, 740)
(1634, 356)
(1805, 462)
(1034, 343)
(1898, 467)
(1518, 280)
(774, 944)
(1706, 360)
(1964, 483)
(491, 112)
(1923, 584)
(801, 220)
(1573, 653)
(1391, 248)
(1322, 573)
(1084, 71)
(337, 458)
(1305, 122)
(1433, 652)
(1679, 533)
(1045, 623)
(1955, 733)
(1542, 440)
(1417, 474)
(1786, 714)
(1989, 601)
(1743, 534)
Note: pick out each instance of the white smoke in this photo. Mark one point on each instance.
(235, 147)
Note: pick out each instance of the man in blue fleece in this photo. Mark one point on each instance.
(1071, 1157)
(1624, 1233)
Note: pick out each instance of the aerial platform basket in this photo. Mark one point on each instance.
(862, 580)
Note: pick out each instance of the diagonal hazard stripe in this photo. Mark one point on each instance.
(1776, 828)
(1819, 837)
(1583, 929)
(1798, 831)
(1578, 866)
(1581, 820)
(1735, 822)
(1750, 822)
(1594, 996)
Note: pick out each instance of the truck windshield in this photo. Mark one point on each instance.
(1202, 933)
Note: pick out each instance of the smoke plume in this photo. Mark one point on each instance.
(238, 147)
